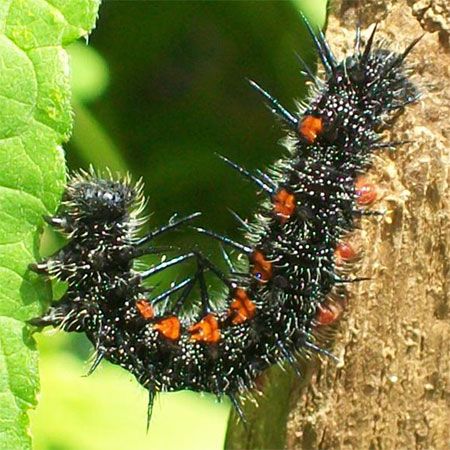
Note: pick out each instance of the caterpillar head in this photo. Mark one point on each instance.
(92, 199)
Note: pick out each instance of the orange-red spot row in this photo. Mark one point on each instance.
(169, 327)
(366, 193)
(241, 308)
(310, 127)
(262, 269)
(328, 313)
(208, 328)
(145, 309)
(284, 204)
(344, 253)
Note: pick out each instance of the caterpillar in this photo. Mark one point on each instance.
(296, 248)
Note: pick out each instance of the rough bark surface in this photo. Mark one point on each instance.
(392, 390)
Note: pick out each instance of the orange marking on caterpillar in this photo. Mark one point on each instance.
(241, 308)
(328, 313)
(366, 192)
(169, 328)
(262, 269)
(207, 330)
(344, 252)
(145, 309)
(310, 127)
(284, 204)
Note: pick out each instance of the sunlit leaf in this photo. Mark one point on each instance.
(35, 119)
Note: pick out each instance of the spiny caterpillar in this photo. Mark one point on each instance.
(296, 245)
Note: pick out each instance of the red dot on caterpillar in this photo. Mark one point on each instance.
(344, 252)
(310, 127)
(169, 327)
(262, 269)
(145, 309)
(328, 313)
(284, 204)
(241, 308)
(207, 330)
(366, 192)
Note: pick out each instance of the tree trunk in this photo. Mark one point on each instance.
(392, 390)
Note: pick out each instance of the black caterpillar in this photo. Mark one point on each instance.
(295, 245)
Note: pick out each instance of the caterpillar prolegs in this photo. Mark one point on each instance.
(295, 245)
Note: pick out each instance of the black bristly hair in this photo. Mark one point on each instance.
(292, 283)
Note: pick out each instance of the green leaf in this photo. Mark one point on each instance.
(35, 119)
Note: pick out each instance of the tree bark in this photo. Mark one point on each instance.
(392, 390)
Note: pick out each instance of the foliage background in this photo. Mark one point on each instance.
(160, 90)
